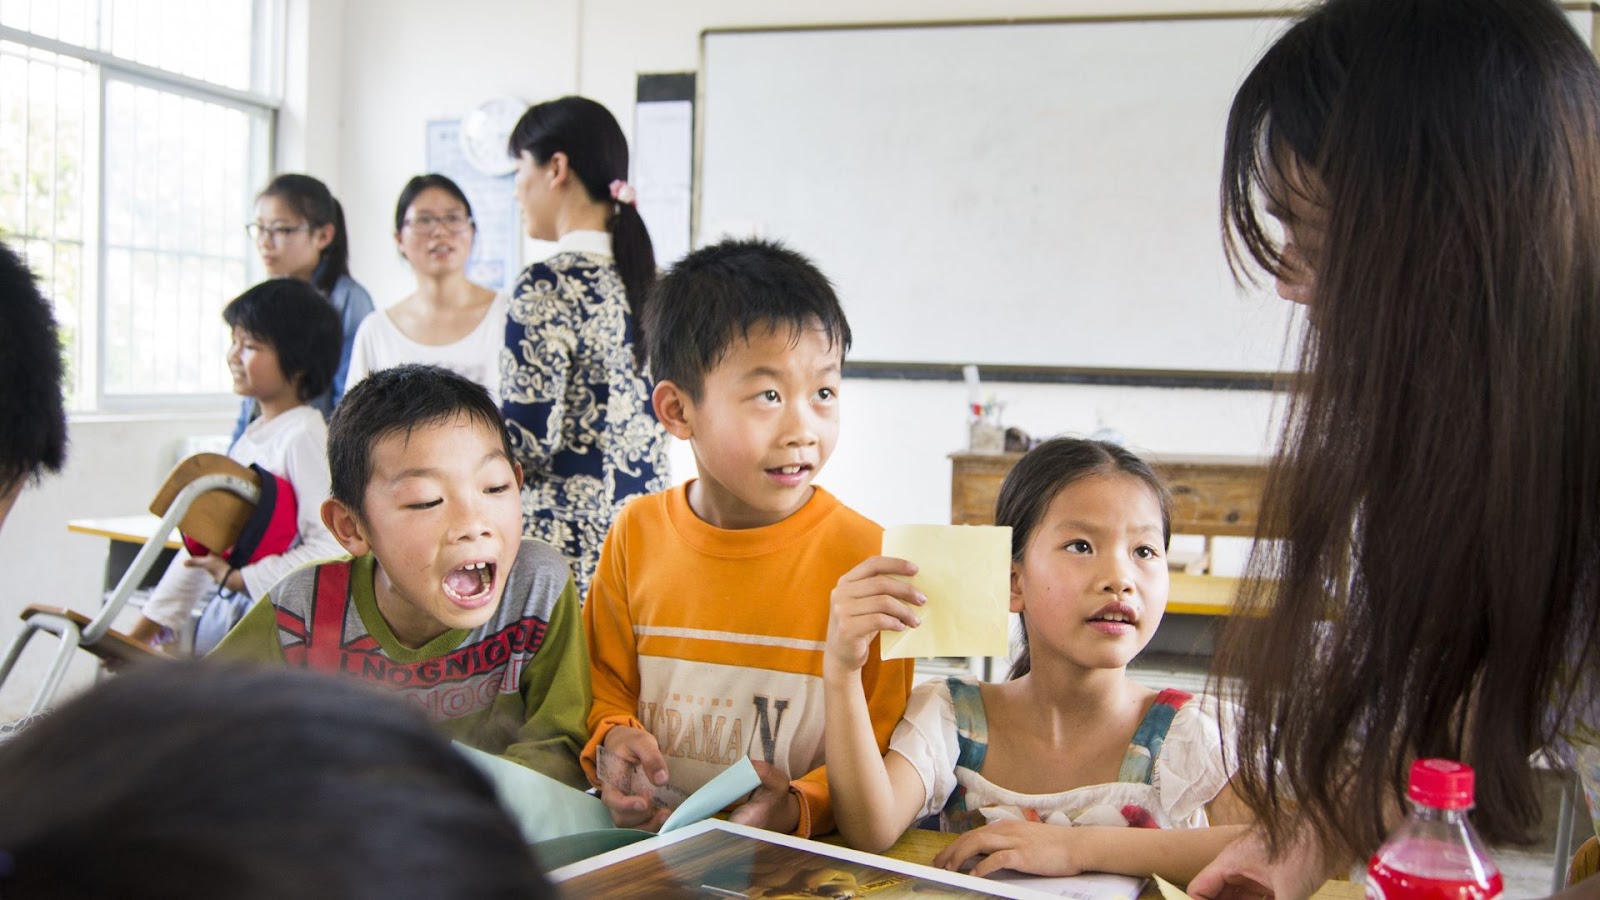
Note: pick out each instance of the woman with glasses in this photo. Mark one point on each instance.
(573, 385)
(299, 232)
(447, 321)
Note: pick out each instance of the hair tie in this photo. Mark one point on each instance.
(623, 192)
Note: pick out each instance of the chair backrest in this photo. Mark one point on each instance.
(215, 518)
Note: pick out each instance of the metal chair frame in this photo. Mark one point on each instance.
(90, 636)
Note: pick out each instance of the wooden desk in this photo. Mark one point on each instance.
(123, 529)
(921, 846)
(126, 535)
(1212, 496)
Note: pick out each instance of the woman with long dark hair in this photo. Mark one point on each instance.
(1435, 167)
(573, 385)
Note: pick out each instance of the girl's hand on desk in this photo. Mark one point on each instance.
(865, 602)
(217, 568)
(1031, 847)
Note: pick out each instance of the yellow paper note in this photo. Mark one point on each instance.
(965, 572)
(1170, 891)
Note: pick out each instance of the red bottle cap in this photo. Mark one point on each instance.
(1441, 783)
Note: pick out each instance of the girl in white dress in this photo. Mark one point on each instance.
(447, 321)
(1070, 765)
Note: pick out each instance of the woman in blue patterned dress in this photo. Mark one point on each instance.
(573, 385)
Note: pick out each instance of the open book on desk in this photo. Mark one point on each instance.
(564, 824)
(713, 858)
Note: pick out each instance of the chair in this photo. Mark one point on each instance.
(1584, 863)
(209, 497)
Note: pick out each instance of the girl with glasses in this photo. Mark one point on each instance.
(299, 233)
(447, 321)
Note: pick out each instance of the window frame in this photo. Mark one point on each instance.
(267, 57)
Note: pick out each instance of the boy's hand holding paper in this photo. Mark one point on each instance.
(637, 770)
(732, 783)
(630, 779)
(964, 571)
(566, 825)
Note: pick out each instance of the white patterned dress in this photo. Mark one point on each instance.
(575, 403)
(1175, 765)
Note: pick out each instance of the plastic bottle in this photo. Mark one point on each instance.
(1435, 855)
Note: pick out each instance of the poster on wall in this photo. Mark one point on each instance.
(497, 252)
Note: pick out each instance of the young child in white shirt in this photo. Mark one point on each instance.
(285, 349)
(1134, 781)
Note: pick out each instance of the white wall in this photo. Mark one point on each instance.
(312, 99)
(405, 62)
(891, 461)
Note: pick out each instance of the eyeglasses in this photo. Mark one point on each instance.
(455, 223)
(274, 234)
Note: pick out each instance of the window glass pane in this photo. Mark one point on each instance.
(206, 39)
(14, 126)
(211, 40)
(45, 101)
(70, 158)
(181, 265)
(76, 22)
(39, 201)
(165, 173)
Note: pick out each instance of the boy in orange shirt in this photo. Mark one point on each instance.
(708, 613)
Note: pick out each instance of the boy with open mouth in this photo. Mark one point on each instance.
(442, 598)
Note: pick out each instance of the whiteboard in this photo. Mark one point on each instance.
(1041, 193)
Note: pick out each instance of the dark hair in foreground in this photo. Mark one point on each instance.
(719, 294)
(397, 401)
(200, 780)
(1436, 589)
(420, 183)
(312, 200)
(1033, 483)
(299, 324)
(597, 153)
(33, 421)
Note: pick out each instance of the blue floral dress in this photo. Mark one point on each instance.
(575, 403)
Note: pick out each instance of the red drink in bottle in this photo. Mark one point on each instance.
(1435, 854)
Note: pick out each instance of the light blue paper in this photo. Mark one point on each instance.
(568, 824)
(541, 806)
(730, 784)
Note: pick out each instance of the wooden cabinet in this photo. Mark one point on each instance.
(1212, 496)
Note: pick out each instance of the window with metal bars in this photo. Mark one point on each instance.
(133, 136)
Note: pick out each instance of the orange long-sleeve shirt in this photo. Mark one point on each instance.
(712, 640)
